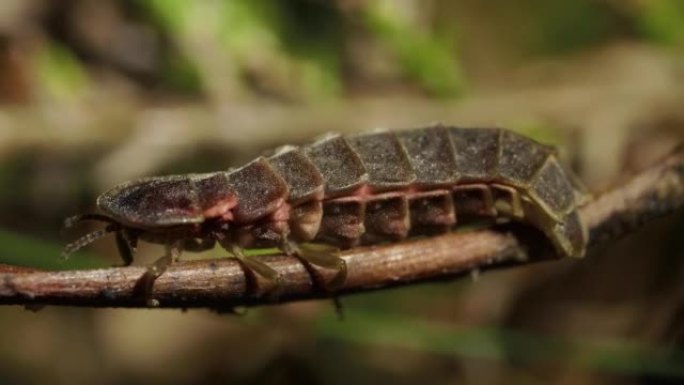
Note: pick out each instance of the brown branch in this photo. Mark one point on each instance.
(223, 284)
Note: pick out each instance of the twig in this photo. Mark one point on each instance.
(223, 284)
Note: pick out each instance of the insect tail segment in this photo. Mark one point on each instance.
(547, 191)
(498, 173)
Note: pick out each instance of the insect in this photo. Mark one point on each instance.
(345, 191)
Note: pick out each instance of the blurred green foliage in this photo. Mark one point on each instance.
(60, 74)
(663, 21)
(178, 73)
(570, 25)
(428, 59)
(298, 49)
(399, 331)
(298, 38)
(22, 250)
(306, 39)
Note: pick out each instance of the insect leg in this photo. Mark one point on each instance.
(156, 269)
(323, 256)
(126, 243)
(173, 252)
(256, 266)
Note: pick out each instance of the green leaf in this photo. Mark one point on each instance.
(22, 250)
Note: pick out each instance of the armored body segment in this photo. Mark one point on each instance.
(571, 236)
(305, 220)
(431, 154)
(566, 233)
(387, 218)
(476, 153)
(552, 190)
(473, 200)
(520, 158)
(153, 202)
(259, 190)
(301, 175)
(432, 212)
(339, 164)
(384, 159)
(342, 222)
(507, 201)
(212, 190)
(260, 234)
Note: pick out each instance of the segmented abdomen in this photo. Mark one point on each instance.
(389, 185)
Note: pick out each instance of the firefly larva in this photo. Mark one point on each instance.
(346, 191)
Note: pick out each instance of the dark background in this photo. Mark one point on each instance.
(93, 93)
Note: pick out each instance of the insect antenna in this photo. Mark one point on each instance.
(87, 239)
(74, 220)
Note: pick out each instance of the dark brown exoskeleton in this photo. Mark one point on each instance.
(346, 191)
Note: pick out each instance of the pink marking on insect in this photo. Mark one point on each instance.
(222, 209)
(282, 213)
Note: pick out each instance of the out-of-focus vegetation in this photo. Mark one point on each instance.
(93, 93)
